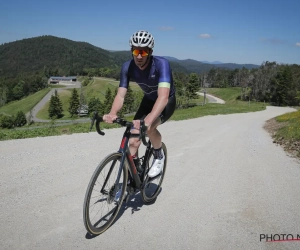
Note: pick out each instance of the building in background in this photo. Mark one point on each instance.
(58, 79)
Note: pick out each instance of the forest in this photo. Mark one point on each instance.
(26, 65)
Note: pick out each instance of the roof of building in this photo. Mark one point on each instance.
(63, 77)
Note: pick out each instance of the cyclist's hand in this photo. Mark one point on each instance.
(136, 124)
(109, 118)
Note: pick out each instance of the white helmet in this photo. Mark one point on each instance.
(142, 38)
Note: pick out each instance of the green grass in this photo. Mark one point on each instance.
(216, 109)
(54, 86)
(289, 134)
(49, 130)
(100, 85)
(180, 114)
(292, 129)
(227, 94)
(64, 96)
(25, 105)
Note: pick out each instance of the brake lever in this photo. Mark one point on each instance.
(143, 130)
(98, 120)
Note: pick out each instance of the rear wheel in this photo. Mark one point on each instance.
(101, 205)
(152, 186)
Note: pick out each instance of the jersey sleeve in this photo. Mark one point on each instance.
(124, 75)
(165, 74)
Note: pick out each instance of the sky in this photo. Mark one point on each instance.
(230, 31)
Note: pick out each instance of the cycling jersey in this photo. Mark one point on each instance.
(157, 74)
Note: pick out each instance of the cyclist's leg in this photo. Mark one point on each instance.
(144, 109)
(155, 137)
(153, 133)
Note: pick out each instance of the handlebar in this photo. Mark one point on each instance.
(121, 122)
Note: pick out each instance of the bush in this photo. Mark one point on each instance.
(7, 122)
(20, 119)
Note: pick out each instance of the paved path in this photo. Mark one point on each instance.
(226, 184)
(47, 98)
(212, 99)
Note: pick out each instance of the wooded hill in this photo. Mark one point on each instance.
(61, 56)
(26, 65)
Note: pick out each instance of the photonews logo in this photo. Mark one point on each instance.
(279, 237)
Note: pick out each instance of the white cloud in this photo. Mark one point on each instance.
(166, 28)
(205, 36)
(298, 44)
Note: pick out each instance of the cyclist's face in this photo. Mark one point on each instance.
(139, 59)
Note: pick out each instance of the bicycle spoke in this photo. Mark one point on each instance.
(100, 207)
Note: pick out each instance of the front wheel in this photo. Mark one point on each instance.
(104, 194)
(152, 186)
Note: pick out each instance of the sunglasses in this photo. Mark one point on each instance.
(137, 52)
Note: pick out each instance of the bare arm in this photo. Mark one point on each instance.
(116, 106)
(118, 101)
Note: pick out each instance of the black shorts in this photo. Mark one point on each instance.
(147, 105)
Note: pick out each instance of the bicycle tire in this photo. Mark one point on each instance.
(98, 223)
(148, 193)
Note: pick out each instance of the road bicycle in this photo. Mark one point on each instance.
(117, 177)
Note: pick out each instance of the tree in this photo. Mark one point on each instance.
(18, 91)
(282, 90)
(20, 119)
(95, 105)
(192, 87)
(128, 101)
(74, 103)
(37, 83)
(178, 86)
(3, 94)
(55, 107)
(260, 84)
(108, 101)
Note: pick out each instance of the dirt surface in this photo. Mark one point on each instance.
(292, 147)
(226, 184)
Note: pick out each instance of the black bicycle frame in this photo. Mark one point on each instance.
(124, 149)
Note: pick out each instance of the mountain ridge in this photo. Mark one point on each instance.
(216, 63)
(68, 57)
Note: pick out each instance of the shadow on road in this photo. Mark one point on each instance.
(135, 203)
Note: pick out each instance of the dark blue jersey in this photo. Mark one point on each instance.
(157, 74)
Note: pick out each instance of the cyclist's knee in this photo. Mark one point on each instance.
(153, 128)
(134, 142)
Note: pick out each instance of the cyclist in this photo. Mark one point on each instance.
(154, 76)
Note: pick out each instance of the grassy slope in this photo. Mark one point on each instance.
(227, 94)
(289, 134)
(25, 105)
(64, 97)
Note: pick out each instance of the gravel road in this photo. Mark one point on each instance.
(212, 99)
(47, 98)
(226, 184)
